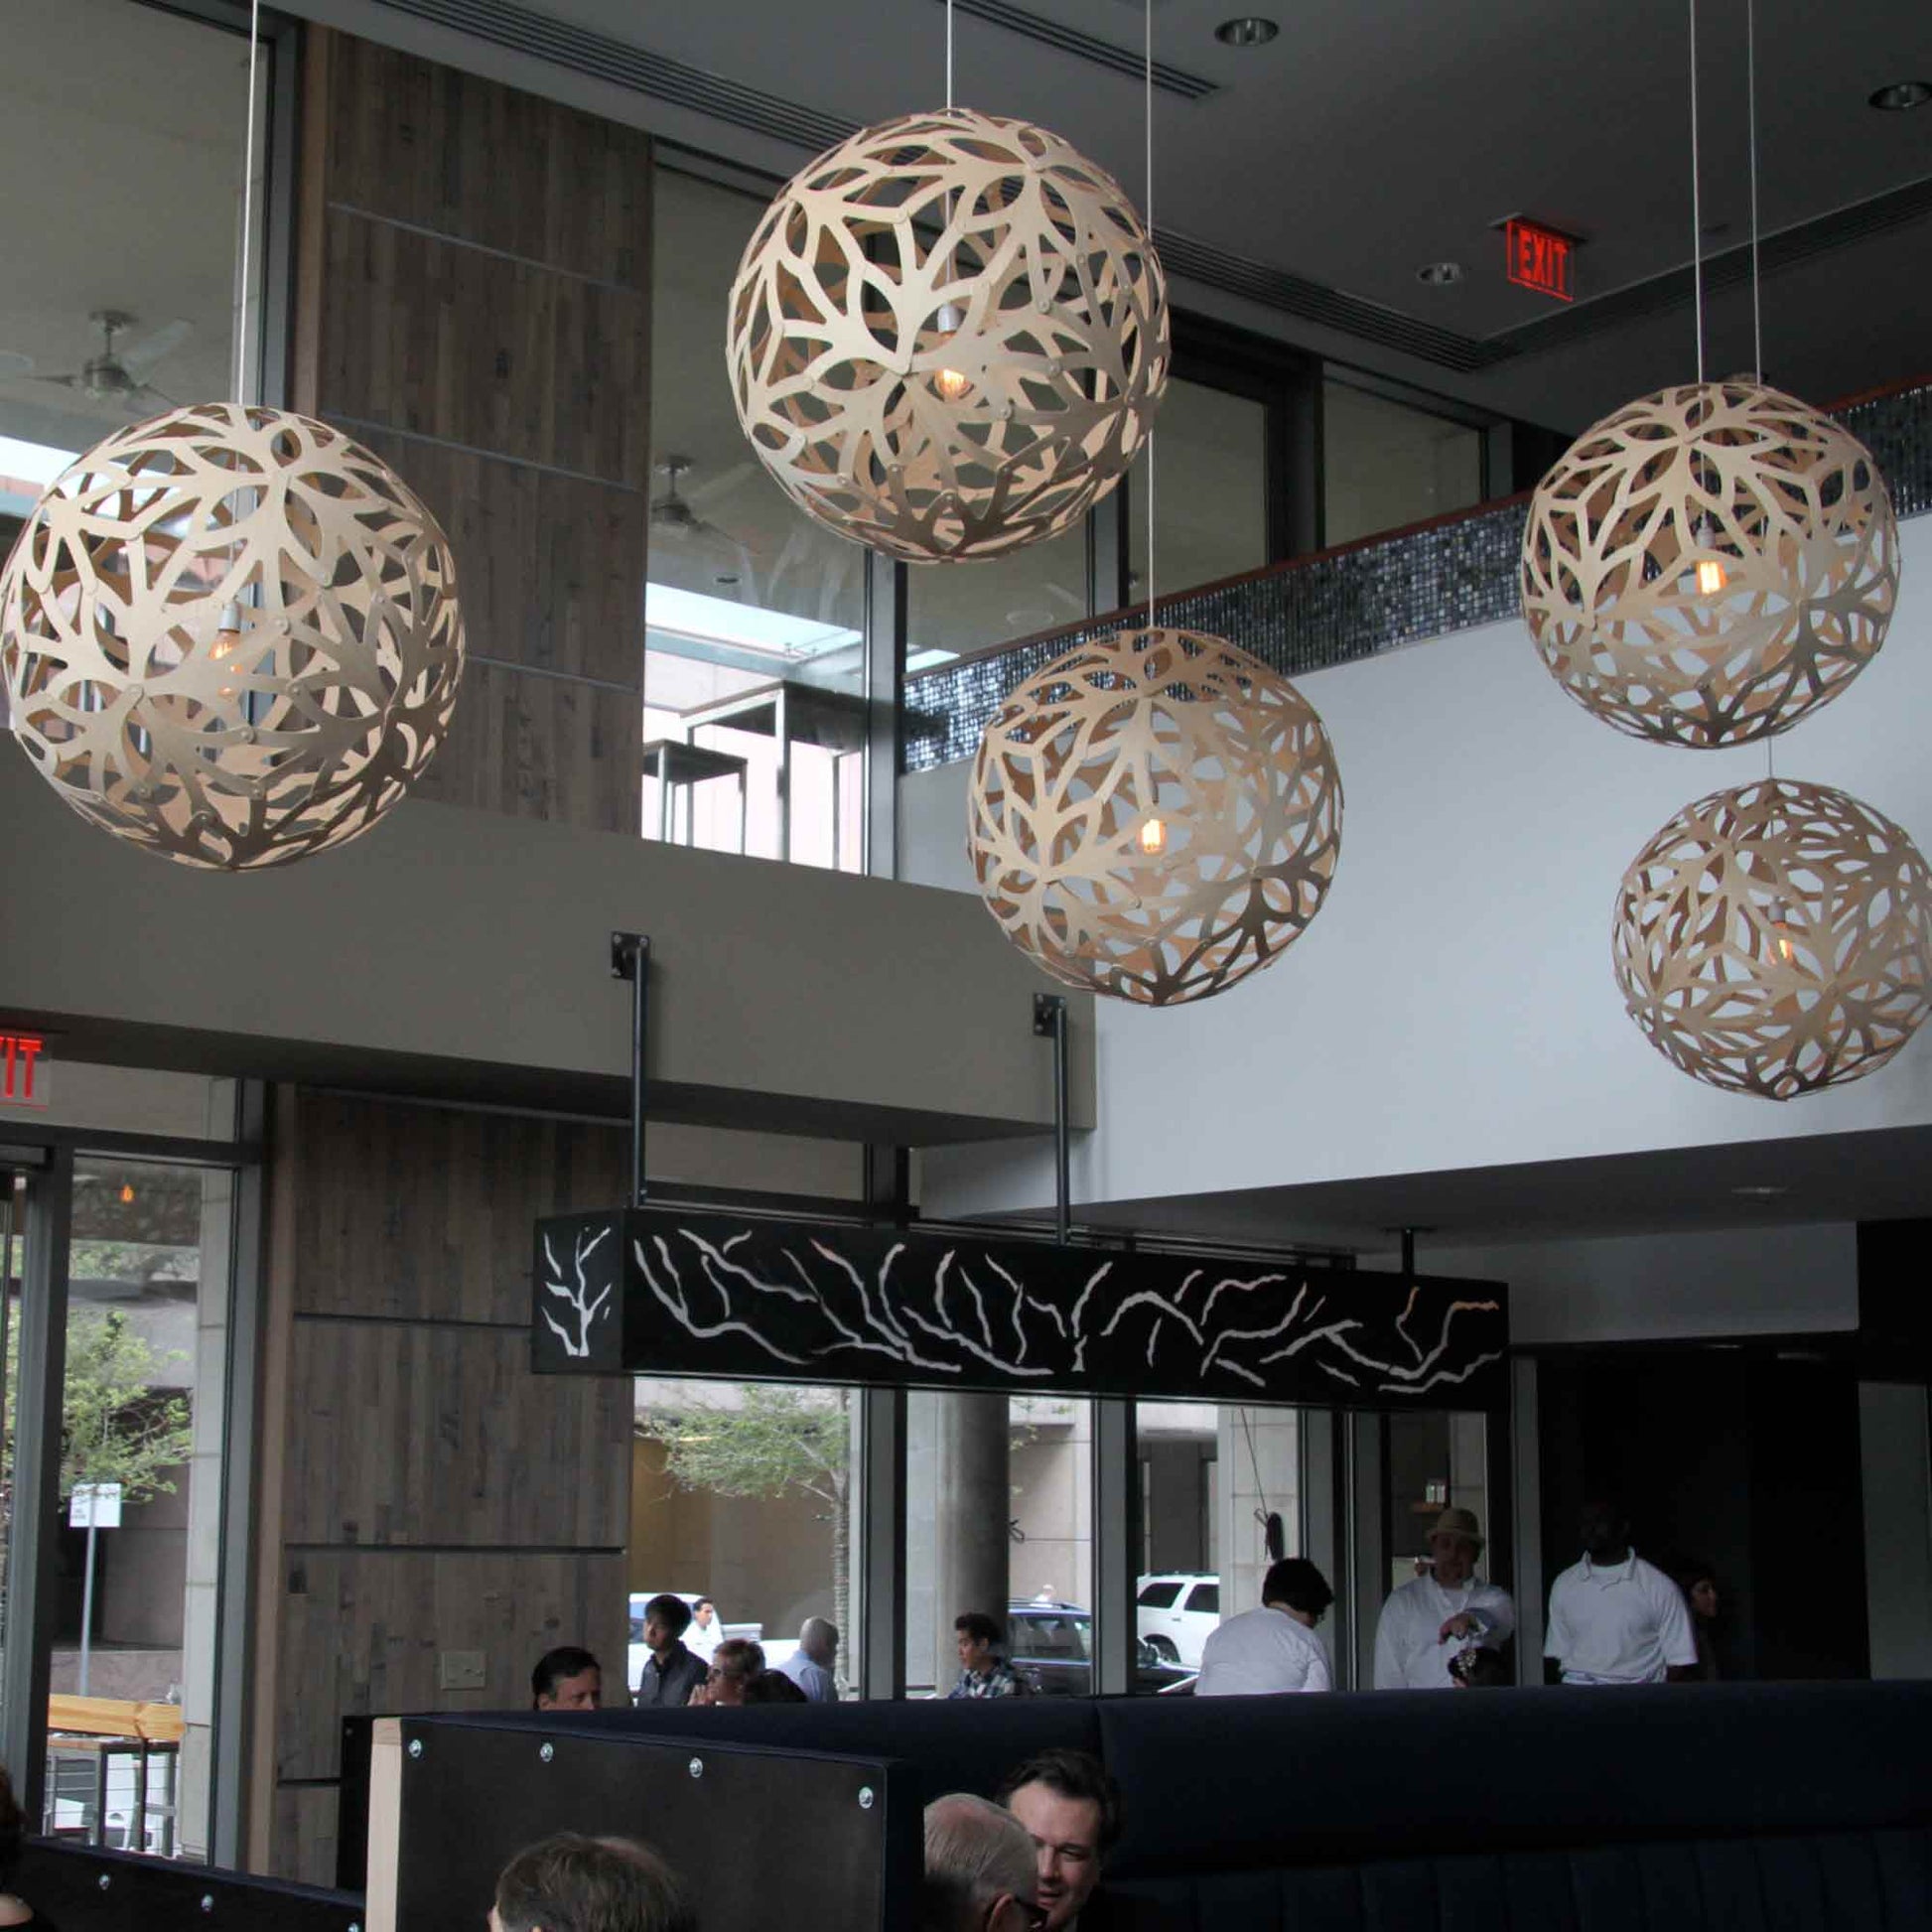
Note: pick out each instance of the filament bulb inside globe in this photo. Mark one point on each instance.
(1153, 837)
(1706, 574)
(952, 384)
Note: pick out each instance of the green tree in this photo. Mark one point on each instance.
(771, 1441)
(114, 1425)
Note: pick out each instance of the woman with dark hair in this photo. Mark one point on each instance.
(14, 1910)
(1699, 1583)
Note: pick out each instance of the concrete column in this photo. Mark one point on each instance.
(974, 1496)
(1258, 1459)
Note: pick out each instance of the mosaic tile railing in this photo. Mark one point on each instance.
(1331, 610)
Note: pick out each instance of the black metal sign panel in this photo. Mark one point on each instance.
(660, 1292)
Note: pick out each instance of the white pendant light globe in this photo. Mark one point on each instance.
(1710, 564)
(1155, 817)
(949, 336)
(230, 635)
(1776, 939)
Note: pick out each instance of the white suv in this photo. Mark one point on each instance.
(1177, 1612)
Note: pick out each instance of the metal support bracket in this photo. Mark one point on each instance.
(1049, 1023)
(630, 960)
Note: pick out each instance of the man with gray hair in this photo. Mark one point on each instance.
(811, 1665)
(980, 1870)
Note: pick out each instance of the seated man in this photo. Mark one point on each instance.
(979, 1868)
(1428, 1623)
(1070, 1808)
(811, 1665)
(1274, 1648)
(772, 1686)
(983, 1671)
(734, 1664)
(566, 1679)
(670, 1673)
(573, 1884)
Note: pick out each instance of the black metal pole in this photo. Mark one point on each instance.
(630, 960)
(1409, 1254)
(1049, 1017)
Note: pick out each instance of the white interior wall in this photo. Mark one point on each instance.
(1452, 1006)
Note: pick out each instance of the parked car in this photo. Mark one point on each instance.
(1051, 1644)
(1178, 1611)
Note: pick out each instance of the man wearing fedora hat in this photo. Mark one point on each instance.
(1427, 1624)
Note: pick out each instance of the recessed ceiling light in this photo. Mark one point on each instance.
(1440, 275)
(1249, 30)
(726, 577)
(1760, 1192)
(1900, 95)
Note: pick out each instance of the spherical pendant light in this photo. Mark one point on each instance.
(230, 635)
(947, 336)
(1776, 938)
(1155, 817)
(1708, 565)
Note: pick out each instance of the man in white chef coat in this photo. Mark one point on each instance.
(1427, 1624)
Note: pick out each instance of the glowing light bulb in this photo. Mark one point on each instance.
(952, 384)
(227, 634)
(1781, 933)
(1711, 576)
(1154, 836)
(127, 1192)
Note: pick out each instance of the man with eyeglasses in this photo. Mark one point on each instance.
(1274, 1649)
(1070, 1808)
(979, 1869)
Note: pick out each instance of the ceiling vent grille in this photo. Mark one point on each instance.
(1295, 295)
(1084, 47)
(602, 57)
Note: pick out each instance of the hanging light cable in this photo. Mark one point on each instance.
(1157, 814)
(1710, 564)
(229, 634)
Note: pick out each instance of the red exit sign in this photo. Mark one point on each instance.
(1539, 258)
(23, 1070)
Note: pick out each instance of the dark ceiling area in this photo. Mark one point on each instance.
(1300, 184)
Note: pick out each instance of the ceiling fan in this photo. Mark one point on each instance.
(679, 515)
(120, 376)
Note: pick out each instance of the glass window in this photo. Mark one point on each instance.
(1387, 464)
(999, 1511)
(1213, 1474)
(1210, 491)
(120, 291)
(1435, 1460)
(754, 713)
(954, 610)
(141, 1502)
(742, 1500)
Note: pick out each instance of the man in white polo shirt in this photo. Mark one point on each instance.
(1428, 1623)
(1614, 1618)
(1274, 1649)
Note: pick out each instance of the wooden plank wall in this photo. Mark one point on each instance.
(474, 304)
(433, 1494)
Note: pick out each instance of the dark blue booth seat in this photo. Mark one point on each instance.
(1688, 1805)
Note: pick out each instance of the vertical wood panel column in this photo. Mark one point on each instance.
(474, 304)
(433, 1497)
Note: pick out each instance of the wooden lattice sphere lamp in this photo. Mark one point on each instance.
(230, 635)
(1155, 817)
(949, 336)
(1710, 564)
(1776, 939)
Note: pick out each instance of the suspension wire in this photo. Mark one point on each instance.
(1697, 203)
(1750, 82)
(1147, 215)
(248, 209)
(949, 56)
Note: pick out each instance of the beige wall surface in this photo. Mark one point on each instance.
(466, 955)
